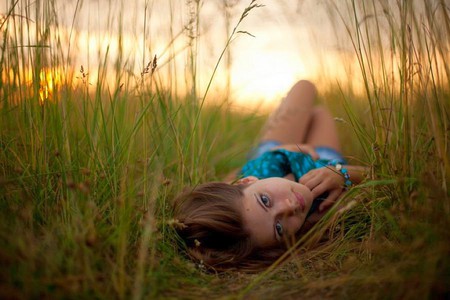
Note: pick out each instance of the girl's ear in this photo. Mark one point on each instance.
(247, 180)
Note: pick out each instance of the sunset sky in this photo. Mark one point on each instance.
(291, 40)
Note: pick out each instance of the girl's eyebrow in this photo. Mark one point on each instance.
(259, 202)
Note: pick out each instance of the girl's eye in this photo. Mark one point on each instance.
(265, 200)
(279, 228)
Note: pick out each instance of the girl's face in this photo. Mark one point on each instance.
(274, 209)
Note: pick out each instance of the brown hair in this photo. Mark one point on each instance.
(211, 226)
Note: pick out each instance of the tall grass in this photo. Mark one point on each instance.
(87, 171)
(388, 240)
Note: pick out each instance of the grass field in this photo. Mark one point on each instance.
(88, 172)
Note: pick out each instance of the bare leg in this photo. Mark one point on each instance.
(290, 122)
(323, 131)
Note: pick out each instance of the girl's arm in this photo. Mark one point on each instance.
(357, 173)
(328, 179)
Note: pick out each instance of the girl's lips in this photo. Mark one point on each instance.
(300, 200)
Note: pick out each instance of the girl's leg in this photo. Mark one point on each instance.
(322, 131)
(289, 124)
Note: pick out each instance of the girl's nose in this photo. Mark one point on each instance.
(287, 207)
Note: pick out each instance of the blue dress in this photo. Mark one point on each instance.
(281, 162)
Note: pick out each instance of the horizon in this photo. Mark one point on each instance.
(281, 43)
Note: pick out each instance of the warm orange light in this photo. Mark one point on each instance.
(48, 81)
(43, 94)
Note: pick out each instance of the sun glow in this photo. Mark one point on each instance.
(266, 77)
(47, 83)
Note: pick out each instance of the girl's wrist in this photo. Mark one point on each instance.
(343, 172)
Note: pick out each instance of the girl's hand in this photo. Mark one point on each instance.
(303, 148)
(324, 180)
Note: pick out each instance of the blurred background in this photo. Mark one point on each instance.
(278, 43)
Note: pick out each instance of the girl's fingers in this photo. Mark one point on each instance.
(304, 179)
(312, 183)
(308, 176)
(331, 199)
(318, 190)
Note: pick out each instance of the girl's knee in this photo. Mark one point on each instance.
(321, 111)
(305, 86)
(302, 94)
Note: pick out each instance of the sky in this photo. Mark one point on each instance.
(284, 41)
(287, 38)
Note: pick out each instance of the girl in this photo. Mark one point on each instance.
(292, 178)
